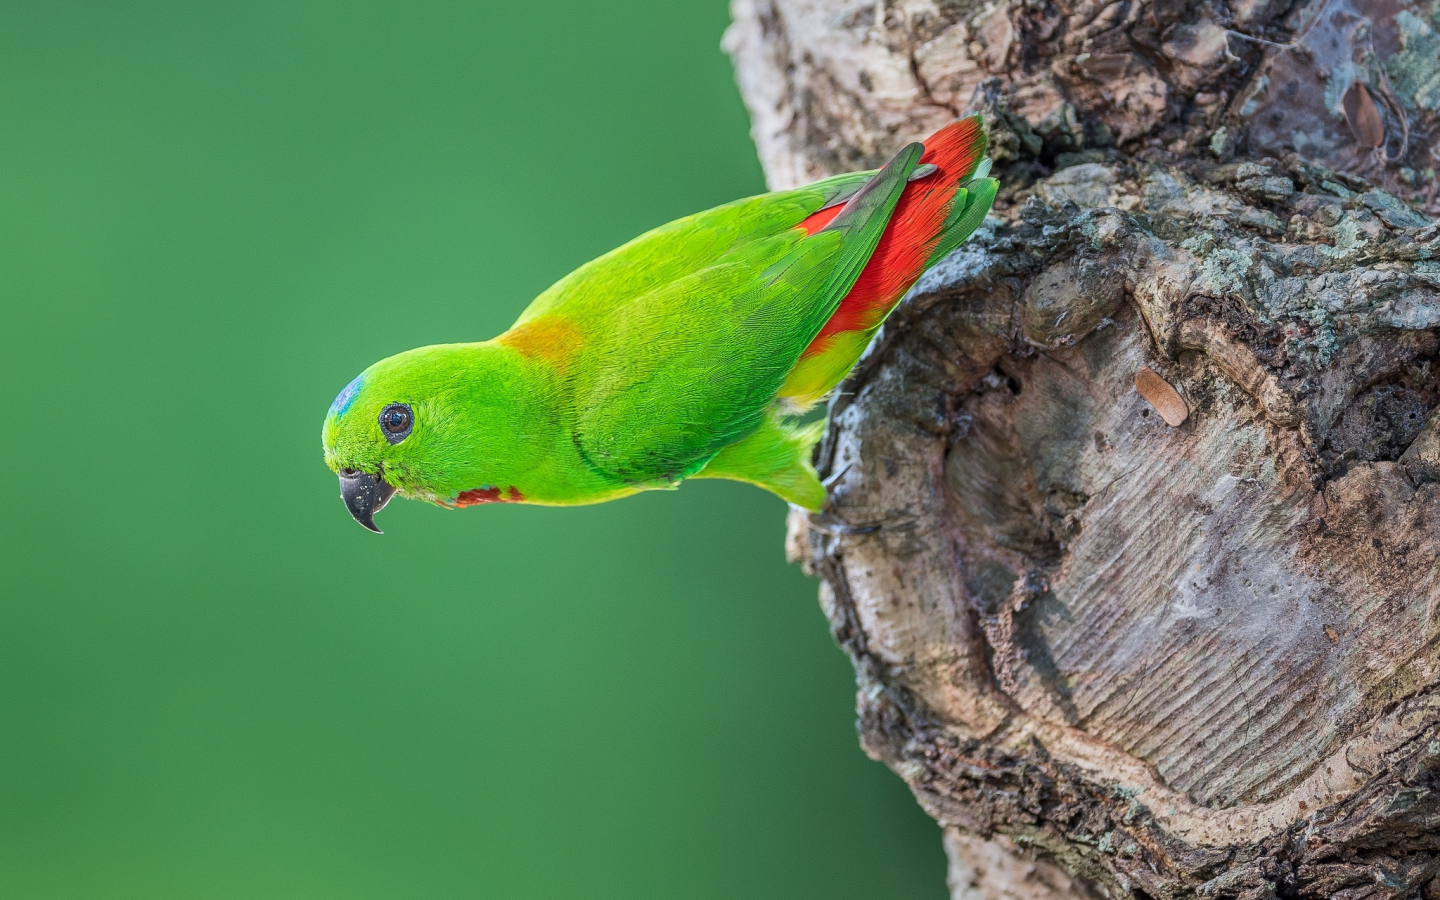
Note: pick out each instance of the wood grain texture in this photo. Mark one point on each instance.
(1196, 659)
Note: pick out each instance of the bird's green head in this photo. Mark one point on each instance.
(423, 424)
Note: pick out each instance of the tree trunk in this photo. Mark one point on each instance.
(1135, 504)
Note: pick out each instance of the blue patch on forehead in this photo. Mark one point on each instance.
(346, 397)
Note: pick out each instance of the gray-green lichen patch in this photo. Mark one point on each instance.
(1415, 70)
(1390, 209)
(1353, 234)
(1173, 197)
(1416, 310)
(1262, 220)
(1088, 185)
(1220, 141)
(1224, 272)
(1428, 271)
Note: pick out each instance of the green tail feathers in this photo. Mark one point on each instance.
(776, 457)
(965, 216)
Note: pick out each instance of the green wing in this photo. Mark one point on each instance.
(682, 247)
(690, 330)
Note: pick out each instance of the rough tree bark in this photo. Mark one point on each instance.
(1112, 654)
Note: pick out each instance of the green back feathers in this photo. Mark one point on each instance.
(689, 331)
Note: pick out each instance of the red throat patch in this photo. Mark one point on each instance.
(491, 494)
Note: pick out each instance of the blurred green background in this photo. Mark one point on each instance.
(213, 683)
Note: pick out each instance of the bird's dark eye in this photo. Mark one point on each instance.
(396, 420)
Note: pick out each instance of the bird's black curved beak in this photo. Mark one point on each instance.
(364, 495)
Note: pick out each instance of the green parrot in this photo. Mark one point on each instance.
(687, 353)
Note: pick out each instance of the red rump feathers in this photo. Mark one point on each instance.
(914, 230)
